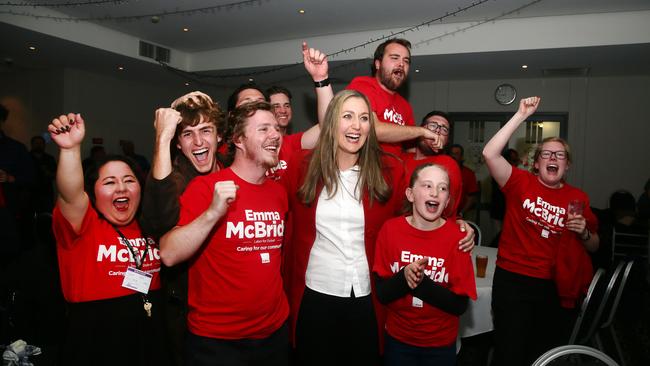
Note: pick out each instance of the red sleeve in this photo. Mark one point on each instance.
(516, 181)
(399, 184)
(63, 231)
(195, 200)
(293, 141)
(463, 282)
(472, 185)
(382, 265)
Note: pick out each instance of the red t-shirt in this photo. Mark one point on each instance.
(92, 262)
(290, 144)
(455, 180)
(399, 244)
(534, 223)
(390, 108)
(470, 185)
(235, 287)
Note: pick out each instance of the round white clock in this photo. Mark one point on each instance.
(505, 94)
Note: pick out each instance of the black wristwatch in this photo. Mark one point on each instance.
(322, 83)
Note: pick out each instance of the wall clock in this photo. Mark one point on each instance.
(505, 94)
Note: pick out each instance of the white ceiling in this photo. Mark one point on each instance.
(258, 22)
(275, 20)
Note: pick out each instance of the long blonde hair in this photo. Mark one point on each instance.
(323, 167)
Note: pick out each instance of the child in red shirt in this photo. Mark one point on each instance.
(422, 277)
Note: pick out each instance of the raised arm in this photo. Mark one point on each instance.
(498, 166)
(316, 65)
(182, 242)
(390, 132)
(165, 124)
(68, 132)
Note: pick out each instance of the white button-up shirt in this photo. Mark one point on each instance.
(337, 262)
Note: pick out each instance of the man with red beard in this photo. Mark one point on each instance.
(391, 65)
(231, 229)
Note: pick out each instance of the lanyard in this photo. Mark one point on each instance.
(139, 260)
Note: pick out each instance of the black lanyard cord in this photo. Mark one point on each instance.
(139, 260)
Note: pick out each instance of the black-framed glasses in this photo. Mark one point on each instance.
(559, 155)
(433, 126)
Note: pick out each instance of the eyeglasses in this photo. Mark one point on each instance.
(433, 126)
(559, 155)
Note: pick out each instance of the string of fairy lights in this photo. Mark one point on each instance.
(197, 77)
(213, 9)
(202, 79)
(67, 4)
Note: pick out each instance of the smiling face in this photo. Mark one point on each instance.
(199, 145)
(261, 139)
(551, 171)
(353, 129)
(394, 66)
(281, 106)
(117, 193)
(429, 197)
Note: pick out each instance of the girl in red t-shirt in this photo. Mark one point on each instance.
(421, 276)
(112, 317)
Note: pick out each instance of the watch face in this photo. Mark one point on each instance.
(505, 94)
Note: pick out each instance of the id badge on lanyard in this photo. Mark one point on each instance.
(134, 278)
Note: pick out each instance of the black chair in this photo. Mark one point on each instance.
(588, 304)
(574, 355)
(610, 312)
(633, 242)
(595, 307)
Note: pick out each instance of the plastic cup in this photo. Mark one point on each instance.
(576, 207)
(481, 265)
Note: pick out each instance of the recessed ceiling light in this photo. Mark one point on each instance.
(251, 80)
(121, 68)
(417, 70)
(301, 11)
(187, 84)
(186, 29)
(32, 48)
(524, 66)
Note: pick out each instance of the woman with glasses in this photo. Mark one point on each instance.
(545, 220)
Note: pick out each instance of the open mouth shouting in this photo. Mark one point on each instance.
(201, 155)
(432, 206)
(121, 204)
(552, 168)
(398, 73)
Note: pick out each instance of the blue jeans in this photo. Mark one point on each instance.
(397, 353)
